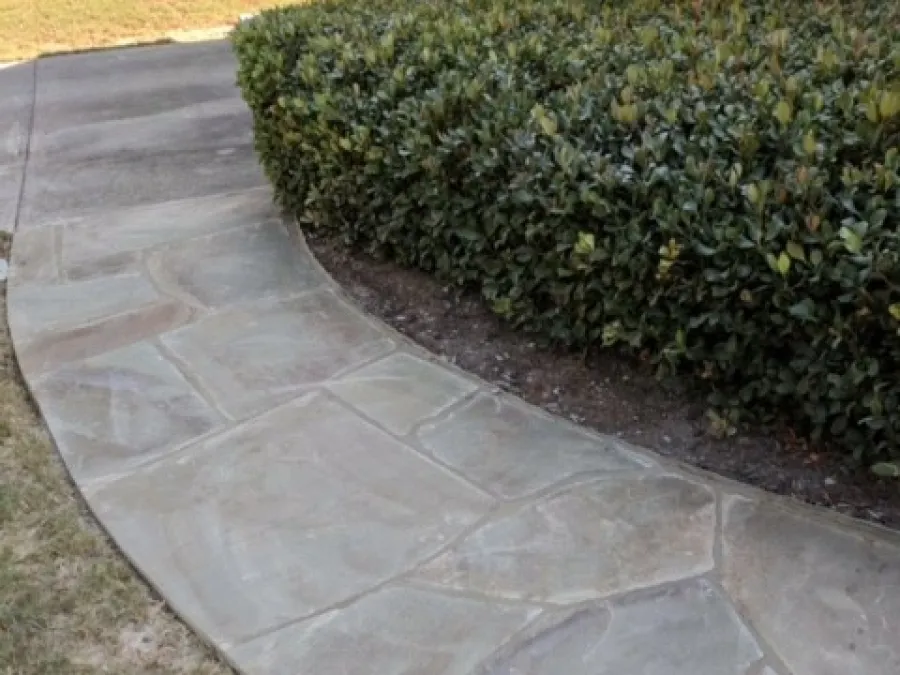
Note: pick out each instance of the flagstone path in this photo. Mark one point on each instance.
(313, 494)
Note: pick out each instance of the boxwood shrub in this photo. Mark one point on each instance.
(714, 186)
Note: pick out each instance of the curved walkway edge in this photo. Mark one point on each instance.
(314, 494)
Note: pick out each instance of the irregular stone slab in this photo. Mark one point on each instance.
(253, 263)
(297, 510)
(826, 599)
(80, 89)
(52, 349)
(514, 450)
(93, 244)
(253, 358)
(224, 122)
(10, 186)
(686, 630)
(34, 257)
(59, 190)
(44, 308)
(113, 411)
(16, 97)
(401, 391)
(590, 541)
(394, 630)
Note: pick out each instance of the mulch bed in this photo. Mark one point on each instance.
(601, 389)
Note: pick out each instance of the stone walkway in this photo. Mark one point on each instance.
(313, 494)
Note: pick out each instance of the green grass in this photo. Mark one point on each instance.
(29, 28)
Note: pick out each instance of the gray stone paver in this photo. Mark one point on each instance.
(401, 391)
(502, 444)
(60, 190)
(218, 270)
(312, 495)
(418, 631)
(290, 514)
(252, 358)
(803, 582)
(111, 410)
(588, 542)
(689, 629)
(91, 241)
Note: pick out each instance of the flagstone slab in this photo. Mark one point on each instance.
(590, 541)
(401, 391)
(514, 450)
(111, 412)
(288, 515)
(253, 358)
(689, 629)
(394, 630)
(37, 309)
(827, 599)
(95, 244)
(52, 350)
(56, 191)
(217, 123)
(78, 89)
(223, 269)
(54, 322)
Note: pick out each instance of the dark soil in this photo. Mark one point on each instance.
(602, 390)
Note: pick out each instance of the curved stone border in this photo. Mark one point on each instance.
(312, 493)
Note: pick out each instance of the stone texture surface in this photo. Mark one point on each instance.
(401, 391)
(511, 450)
(95, 244)
(134, 83)
(187, 126)
(587, 542)
(60, 190)
(151, 102)
(394, 630)
(112, 411)
(686, 630)
(16, 100)
(253, 358)
(827, 600)
(53, 350)
(315, 497)
(298, 510)
(223, 269)
(37, 309)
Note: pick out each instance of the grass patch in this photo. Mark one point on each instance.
(69, 603)
(29, 28)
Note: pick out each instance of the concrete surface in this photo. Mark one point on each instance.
(315, 495)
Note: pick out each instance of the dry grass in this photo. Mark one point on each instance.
(69, 603)
(32, 27)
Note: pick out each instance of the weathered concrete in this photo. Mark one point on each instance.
(314, 495)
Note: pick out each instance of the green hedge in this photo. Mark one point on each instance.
(719, 193)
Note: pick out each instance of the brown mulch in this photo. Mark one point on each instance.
(602, 390)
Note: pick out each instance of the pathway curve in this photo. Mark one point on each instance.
(315, 495)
